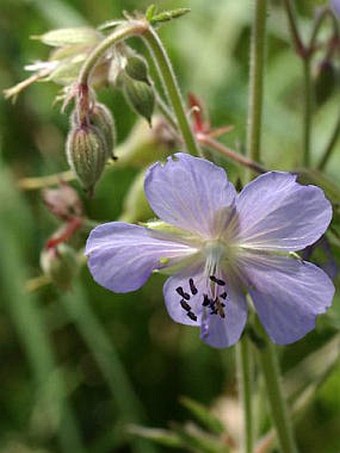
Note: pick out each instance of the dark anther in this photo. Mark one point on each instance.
(192, 316)
(206, 301)
(185, 305)
(224, 295)
(217, 280)
(180, 291)
(193, 288)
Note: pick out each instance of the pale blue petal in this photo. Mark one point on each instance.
(173, 298)
(288, 295)
(121, 257)
(222, 333)
(189, 192)
(275, 212)
(215, 331)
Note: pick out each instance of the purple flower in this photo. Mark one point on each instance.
(217, 245)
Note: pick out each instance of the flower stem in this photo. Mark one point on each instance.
(215, 145)
(292, 19)
(127, 30)
(171, 88)
(245, 377)
(330, 146)
(257, 53)
(308, 104)
(271, 373)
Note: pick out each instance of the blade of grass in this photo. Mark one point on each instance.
(27, 317)
(78, 308)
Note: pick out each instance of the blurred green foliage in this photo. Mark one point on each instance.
(77, 367)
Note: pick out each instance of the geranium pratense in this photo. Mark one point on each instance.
(217, 245)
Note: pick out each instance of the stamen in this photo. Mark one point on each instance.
(183, 294)
(193, 288)
(206, 300)
(185, 305)
(192, 316)
(216, 306)
(224, 295)
(217, 280)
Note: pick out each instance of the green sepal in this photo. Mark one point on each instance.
(166, 16)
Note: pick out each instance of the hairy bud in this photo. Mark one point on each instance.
(60, 264)
(102, 119)
(87, 151)
(140, 96)
(137, 69)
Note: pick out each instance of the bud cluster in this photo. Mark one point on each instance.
(129, 72)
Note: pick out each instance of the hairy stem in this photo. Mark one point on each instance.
(127, 30)
(215, 145)
(257, 54)
(308, 109)
(171, 88)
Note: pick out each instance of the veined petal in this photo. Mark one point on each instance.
(188, 192)
(275, 212)
(122, 256)
(185, 297)
(288, 295)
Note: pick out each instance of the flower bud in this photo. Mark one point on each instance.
(60, 263)
(325, 82)
(63, 202)
(87, 151)
(102, 119)
(68, 36)
(137, 69)
(140, 96)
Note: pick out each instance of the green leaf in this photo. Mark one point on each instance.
(197, 440)
(160, 436)
(203, 415)
(313, 370)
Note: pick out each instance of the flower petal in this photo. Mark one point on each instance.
(173, 299)
(275, 212)
(288, 295)
(216, 331)
(224, 332)
(188, 191)
(122, 256)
